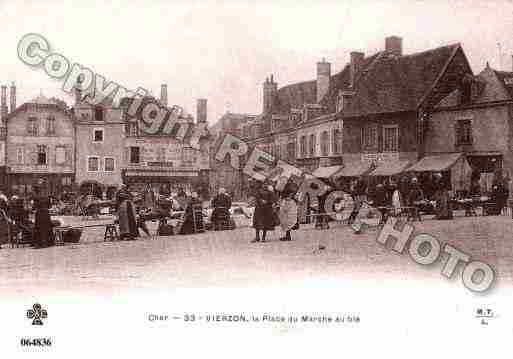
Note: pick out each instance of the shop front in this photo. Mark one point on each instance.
(55, 183)
(484, 166)
(454, 168)
(166, 180)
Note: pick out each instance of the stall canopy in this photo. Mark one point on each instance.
(436, 163)
(390, 168)
(456, 163)
(326, 172)
(355, 169)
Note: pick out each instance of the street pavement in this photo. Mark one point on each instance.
(226, 258)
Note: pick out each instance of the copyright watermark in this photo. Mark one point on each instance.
(154, 118)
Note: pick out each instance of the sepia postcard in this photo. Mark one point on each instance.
(241, 179)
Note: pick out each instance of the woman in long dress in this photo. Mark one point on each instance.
(443, 203)
(193, 221)
(264, 217)
(126, 216)
(43, 228)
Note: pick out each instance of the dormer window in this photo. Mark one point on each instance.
(343, 99)
(98, 113)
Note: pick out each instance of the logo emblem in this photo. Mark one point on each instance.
(37, 313)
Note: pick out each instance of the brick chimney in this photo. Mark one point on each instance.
(3, 108)
(323, 79)
(355, 64)
(77, 90)
(163, 94)
(394, 45)
(201, 110)
(13, 97)
(270, 90)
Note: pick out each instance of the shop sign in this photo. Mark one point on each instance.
(380, 157)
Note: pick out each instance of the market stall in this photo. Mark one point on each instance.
(453, 166)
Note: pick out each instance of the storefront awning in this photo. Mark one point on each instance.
(326, 172)
(355, 169)
(436, 163)
(390, 168)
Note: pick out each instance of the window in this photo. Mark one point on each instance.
(325, 143)
(132, 129)
(291, 153)
(390, 138)
(66, 181)
(98, 113)
(336, 141)
(370, 137)
(41, 155)
(464, 132)
(60, 155)
(98, 135)
(93, 164)
(109, 164)
(312, 145)
(19, 156)
(135, 155)
(50, 126)
(32, 126)
(302, 146)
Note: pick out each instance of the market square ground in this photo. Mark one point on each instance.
(227, 259)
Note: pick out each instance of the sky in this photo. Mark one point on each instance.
(224, 50)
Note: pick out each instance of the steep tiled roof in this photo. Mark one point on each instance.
(506, 78)
(294, 96)
(399, 83)
(340, 81)
(298, 94)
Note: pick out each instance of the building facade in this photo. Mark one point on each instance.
(386, 111)
(166, 159)
(100, 133)
(477, 119)
(40, 146)
(222, 174)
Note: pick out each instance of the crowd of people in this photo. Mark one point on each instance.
(14, 218)
(272, 209)
(430, 193)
